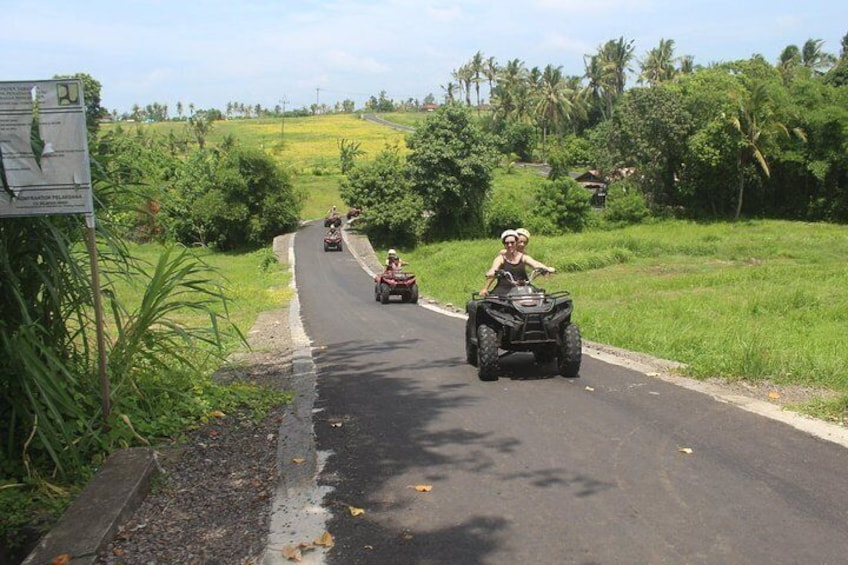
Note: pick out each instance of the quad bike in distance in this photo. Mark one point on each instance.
(334, 220)
(333, 241)
(395, 282)
(526, 318)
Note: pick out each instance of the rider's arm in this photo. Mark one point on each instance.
(537, 265)
(490, 275)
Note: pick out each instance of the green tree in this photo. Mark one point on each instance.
(392, 214)
(450, 167)
(650, 131)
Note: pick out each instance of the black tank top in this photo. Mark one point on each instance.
(518, 272)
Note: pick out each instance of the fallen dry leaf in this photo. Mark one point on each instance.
(774, 395)
(423, 488)
(326, 540)
(292, 553)
(354, 511)
(336, 425)
(62, 559)
(686, 450)
(217, 414)
(369, 547)
(590, 388)
(298, 460)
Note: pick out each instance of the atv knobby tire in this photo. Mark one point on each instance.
(487, 353)
(384, 293)
(570, 353)
(413, 294)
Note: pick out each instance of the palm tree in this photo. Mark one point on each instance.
(686, 65)
(512, 79)
(595, 91)
(463, 76)
(755, 123)
(789, 61)
(658, 66)
(490, 71)
(476, 69)
(814, 58)
(449, 89)
(553, 101)
(607, 71)
(615, 61)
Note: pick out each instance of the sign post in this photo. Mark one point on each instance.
(44, 170)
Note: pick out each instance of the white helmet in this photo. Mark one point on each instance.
(392, 253)
(509, 233)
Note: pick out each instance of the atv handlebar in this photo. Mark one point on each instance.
(501, 274)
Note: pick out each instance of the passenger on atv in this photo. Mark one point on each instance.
(512, 261)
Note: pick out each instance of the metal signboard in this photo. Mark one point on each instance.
(44, 166)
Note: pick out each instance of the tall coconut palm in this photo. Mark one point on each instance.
(658, 65)
(490, 71)
(685, 65)
(755, 123)
(463, 76)
(813, 57)
(450, 91)
(476, 68)
(553, 101)
(511, 81)
(609, 68)
(616, 56)
(788, 63)
(595, 90)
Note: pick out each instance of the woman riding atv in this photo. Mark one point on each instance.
(393, 261)
(513, 262)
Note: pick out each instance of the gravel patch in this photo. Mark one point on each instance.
(212, 502)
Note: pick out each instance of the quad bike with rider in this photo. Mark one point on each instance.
(333, 220)
(525, 318)
(333, 239)
(395, 281)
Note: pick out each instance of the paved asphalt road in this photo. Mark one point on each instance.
(536, 468)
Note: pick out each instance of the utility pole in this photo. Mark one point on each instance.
(284, 101)
(317, 100)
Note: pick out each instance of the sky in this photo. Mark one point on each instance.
(295, 53)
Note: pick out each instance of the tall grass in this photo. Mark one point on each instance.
(751, 300)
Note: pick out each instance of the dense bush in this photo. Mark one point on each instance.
(229, 200)
(562, 205)
(392, 214)
(625, 204)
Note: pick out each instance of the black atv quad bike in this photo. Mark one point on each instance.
(525, 319)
